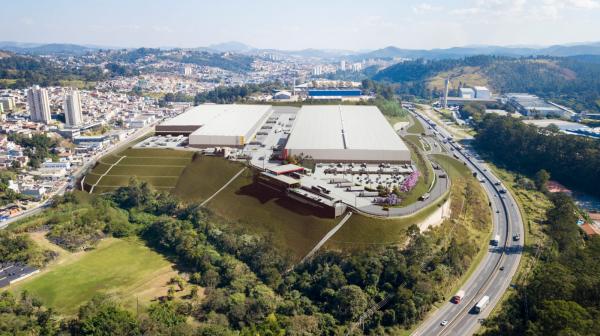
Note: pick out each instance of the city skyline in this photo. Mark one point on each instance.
(331, 25)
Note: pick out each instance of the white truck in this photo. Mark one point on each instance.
(480, 306)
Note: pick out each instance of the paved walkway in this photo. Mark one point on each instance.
(106, 172)
(326, 237)
(223, 187)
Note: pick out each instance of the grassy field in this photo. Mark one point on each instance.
(159, 167)
(125, 268)
(249, 207)
(203, 177)
(292, 227)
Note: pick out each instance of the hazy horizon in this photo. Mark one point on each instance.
(333, 25)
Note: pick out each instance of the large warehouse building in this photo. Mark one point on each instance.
(345, 133)
(218, 125)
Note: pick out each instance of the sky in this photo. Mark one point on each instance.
(293, 25)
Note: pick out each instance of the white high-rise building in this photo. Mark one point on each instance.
(343, 65)
(39, 104)
(187, 71)
(72, 109)
(356, 67)
(318, 70)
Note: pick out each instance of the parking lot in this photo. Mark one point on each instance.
(162, 141)
(271, 138)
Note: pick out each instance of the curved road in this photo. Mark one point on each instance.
(488, 279)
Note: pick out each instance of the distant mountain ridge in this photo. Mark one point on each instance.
(390, 52)
(459, 52)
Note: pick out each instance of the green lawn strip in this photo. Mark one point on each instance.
(127, 170)
(414, 139)
(363, 231)
(416, 127)
(115, 267)
(456, 170)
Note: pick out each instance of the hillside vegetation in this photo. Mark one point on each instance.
(572, 81)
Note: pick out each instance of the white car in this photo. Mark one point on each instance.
(444, 323)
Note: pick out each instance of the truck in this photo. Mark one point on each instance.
(355, 188)
(344, 184)
(495, 241)
(480, 306)
(369, 194)
(458, 296)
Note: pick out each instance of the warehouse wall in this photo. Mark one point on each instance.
(353, 155)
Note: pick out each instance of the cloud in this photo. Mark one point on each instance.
(587, 4)
(523, 9)
(425, 8)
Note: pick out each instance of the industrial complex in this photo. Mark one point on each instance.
(354, 149)
(345, 133)
(325, 133)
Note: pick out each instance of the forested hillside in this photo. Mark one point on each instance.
(572, 160)
(24, 71)
(561, 296)
(573, 81)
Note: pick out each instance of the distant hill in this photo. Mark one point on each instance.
(46, 49)
(231, 46)
(459, 52)
(571, 81)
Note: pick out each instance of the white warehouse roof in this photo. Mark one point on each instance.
(213, 124)
(345, 133)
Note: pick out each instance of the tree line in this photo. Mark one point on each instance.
(561, 296)
(251, 287)
(572, 160)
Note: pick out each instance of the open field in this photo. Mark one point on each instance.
(125, 268)
(159, 167)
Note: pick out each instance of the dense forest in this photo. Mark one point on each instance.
(573, 81)
(250, 286)
(571, 160)
(561, 296)
(27, 71)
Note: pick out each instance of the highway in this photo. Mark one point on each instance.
(488, 279)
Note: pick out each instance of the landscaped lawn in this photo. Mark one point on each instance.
(159, 167)
(126, 268)
(204, 176)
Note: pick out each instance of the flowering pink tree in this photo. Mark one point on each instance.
(410, 182)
